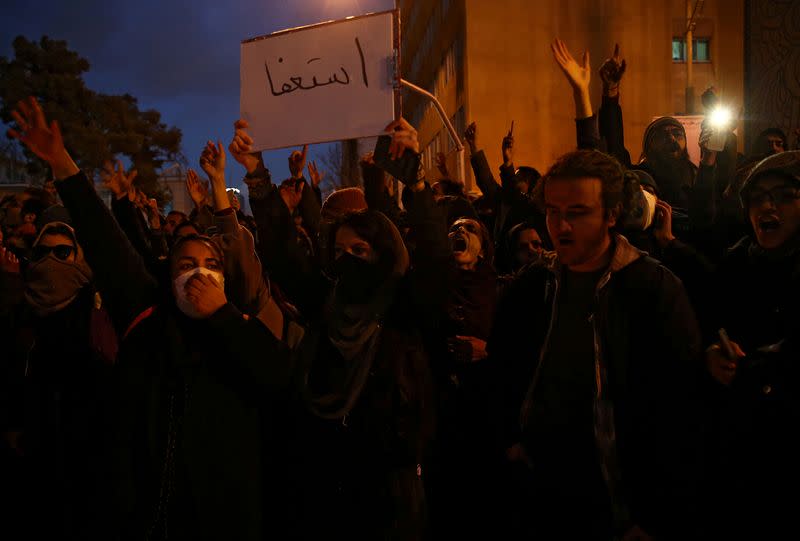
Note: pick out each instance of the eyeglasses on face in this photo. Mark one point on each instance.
(61, 251)
(778, 195)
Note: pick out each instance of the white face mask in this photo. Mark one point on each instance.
(643, 210)
(179, 289)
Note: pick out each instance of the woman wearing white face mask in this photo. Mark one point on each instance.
(191, 395)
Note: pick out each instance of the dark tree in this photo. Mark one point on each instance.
(96, 127)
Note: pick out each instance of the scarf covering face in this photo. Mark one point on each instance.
(354, 319)
(51, 284)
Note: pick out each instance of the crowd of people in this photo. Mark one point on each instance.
(605, 351)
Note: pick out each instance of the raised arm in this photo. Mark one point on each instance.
(480, 165)
(247, 288)
(578, 76)
(431, 259)
(610, 114)
(272, 208)
(119, 271)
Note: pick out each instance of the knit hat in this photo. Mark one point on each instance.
(655, 126)
(645, 179)
(785, 164)
(342, 201)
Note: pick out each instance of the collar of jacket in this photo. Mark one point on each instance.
(624, 254)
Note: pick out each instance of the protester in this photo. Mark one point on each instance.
(601, 319)
(183, 414)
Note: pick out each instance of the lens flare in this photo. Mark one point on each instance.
(721, 117)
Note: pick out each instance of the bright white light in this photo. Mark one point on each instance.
(721, 117)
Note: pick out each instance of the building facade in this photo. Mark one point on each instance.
(490, 62)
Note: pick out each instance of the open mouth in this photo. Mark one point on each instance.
(769, 224)
(458, 243)
(565, 241)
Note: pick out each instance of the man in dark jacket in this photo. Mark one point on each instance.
(758, 295)
(587, 346)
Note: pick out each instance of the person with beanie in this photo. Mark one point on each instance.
(757, 300)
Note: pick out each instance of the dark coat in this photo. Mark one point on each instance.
(753, 448)
(647, 344)
(190, 395)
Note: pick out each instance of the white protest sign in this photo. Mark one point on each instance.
(325, 82)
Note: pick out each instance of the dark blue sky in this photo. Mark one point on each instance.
(176, 56)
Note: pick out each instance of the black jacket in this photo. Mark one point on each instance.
(646, 348)
(190, 395)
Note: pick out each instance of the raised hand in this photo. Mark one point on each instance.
(151, 207)
(116, 179)
(241, 148)
(315, 175)
(578, 75)
(206, 294)
(367, 159)
(508, 149)
(291, 192)
(41, 138)
(611, 73)
(8, 261)
(470, 137)
(404, 136)
(198, 191)
(297, 162)
(212, 161)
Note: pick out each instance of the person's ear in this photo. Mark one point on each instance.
(613, 215)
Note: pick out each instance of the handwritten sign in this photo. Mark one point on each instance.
(325, 82)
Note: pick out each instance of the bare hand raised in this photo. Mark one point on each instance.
(315, 175)
(42, 139)
(212, 160)
(578, 75)
(404, 136)
(198, 191)
(470, 137)
(611, 73)
(292, 192)
(297, 162)
(241, 148)
(508, 149)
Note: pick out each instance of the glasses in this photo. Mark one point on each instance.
(780, 195)
(61, 251)
(468, 226)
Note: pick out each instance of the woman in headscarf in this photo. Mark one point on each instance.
(62, 379)
(365, 390)
(192, 391)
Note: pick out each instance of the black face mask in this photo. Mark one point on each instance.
(357, 280)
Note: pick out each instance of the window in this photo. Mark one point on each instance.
(701, 50)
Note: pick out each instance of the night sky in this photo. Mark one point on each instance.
(178, 57)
